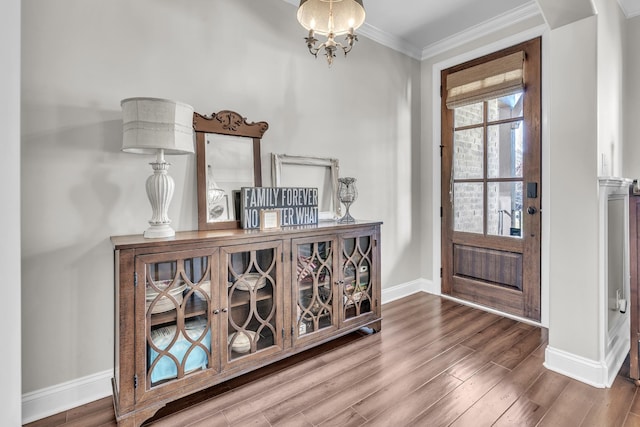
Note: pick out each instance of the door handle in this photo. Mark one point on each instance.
(531, 210)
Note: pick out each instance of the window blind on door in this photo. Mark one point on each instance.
(493, 79)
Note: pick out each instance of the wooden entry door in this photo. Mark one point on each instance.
(491, 186)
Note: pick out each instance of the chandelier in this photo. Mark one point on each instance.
(331, 18)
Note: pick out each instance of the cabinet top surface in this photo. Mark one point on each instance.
(138, 241)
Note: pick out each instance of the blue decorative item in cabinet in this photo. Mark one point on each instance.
(166, 367)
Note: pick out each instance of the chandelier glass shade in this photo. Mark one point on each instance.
(331, 18)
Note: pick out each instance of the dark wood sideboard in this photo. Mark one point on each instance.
(206, 306)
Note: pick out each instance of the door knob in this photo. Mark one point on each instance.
(531, 210)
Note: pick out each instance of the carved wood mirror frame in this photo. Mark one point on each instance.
(230, 123)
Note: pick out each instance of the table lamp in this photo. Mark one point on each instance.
(157, 126)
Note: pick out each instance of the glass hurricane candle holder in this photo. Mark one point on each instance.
(347, 193)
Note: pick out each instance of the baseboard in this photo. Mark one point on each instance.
(618, 348)
(405, 289)
(62, 397)
(599, 374)
(579, 368)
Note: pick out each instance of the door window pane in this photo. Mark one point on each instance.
(468, 115)
(468, 207)
(504, 150)
(504, 209)
(506, 107)
(468, 154)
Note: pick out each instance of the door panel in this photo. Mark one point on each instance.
(173, 302)
(314, 289)
(496, 267)
(252, 326)
(490, 222)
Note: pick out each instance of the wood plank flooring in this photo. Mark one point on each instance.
(435, 363)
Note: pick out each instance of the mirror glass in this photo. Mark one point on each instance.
(229, 163)
(227, 159)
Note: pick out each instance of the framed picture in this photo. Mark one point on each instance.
(313, 172)
(218, 210)
(270, 219)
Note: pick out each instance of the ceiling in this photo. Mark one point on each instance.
(423, 28)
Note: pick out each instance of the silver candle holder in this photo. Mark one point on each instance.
(347, 193)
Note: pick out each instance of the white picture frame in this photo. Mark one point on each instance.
(314, 172)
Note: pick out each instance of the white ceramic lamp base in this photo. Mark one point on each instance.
(156, 231)
(160, 191)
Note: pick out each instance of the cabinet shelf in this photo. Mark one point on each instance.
(193, 306)
(240, 298)
(305, 286)
(262, 344)
(363, 277)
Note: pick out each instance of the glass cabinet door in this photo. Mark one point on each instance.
(250, 308)
(357, 254)
(313, 291)
(174, 301)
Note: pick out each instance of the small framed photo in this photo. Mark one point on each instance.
(270, 219)
(219, 210)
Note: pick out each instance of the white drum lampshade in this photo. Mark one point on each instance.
(157, 126)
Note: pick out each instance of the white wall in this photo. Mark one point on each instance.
(573, 209)
(631, 111)
(586, 104)
(10, 402)
(610, 80)
(81, 57)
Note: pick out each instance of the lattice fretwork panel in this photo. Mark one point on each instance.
(178, 329)
(252, 309)
(314, 276)
(356, 268)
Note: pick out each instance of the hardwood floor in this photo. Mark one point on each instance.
(435, 363)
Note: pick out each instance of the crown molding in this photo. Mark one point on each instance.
(499, 22)
(390, 41)
(630, 8)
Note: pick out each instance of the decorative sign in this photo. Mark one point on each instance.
(297, 206)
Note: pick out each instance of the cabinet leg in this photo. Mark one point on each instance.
(377, 326)
(136, 419)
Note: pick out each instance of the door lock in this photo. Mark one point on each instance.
(531, 210)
